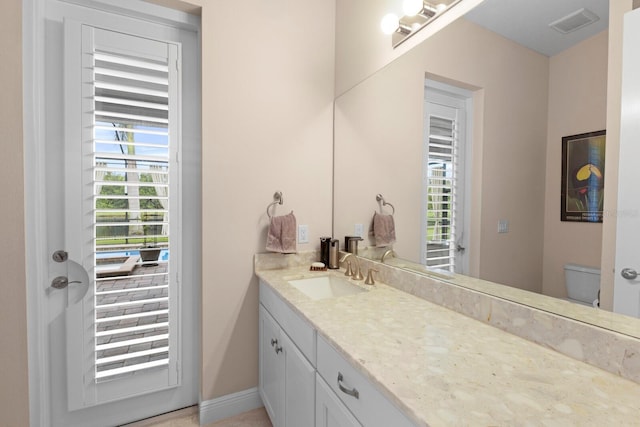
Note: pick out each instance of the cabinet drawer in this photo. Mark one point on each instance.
(330, 411)
(298, 329)
(370, 406)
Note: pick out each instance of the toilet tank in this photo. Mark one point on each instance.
(582, 282)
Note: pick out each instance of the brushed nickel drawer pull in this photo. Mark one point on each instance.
(351, 392)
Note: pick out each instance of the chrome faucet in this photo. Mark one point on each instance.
(356, 273)
(388, 252)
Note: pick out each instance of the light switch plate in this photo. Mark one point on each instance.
(503, 226)
(359, 230)
(303, 233)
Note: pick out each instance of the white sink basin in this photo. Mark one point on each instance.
(325, 287)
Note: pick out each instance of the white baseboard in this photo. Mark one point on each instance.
(229, 405)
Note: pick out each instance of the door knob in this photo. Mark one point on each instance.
(62, 282)
(629, 273)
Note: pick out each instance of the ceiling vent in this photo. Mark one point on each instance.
(573, 21)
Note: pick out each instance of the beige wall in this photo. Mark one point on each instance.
(267, 109)
(577, 104)
(14, 393)
(378, 147)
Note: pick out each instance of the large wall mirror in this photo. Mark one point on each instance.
(519, 102)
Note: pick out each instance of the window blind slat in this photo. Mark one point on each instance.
(128, 356)
(125, 60)
(130, 89)
(132, 368)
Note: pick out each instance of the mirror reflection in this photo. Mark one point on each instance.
(462, 134)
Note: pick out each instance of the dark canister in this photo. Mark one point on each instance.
(325, 246)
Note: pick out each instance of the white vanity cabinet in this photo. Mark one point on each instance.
(305, 382)
(287, 378)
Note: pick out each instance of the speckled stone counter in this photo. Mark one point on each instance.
(445, 369)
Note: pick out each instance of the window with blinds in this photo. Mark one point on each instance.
(442, 197)
(132, 212)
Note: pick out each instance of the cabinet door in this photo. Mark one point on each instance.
(271, 367)
(299, 380)
(330, 411)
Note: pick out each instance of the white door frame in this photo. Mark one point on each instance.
(37, 268)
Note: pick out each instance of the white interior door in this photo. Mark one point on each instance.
(122, 116)
(626, 298)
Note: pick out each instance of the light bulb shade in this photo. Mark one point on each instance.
(412, 7)
(389, 23)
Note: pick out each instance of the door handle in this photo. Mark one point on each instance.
(62, 282)
(629, 273)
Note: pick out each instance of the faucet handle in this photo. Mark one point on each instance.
(357, 274)
(370, 280)
(348, 272)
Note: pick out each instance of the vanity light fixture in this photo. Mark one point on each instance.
(418, 14)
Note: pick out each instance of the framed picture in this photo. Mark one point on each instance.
(582, 194)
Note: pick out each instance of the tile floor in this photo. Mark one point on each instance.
(188, 417)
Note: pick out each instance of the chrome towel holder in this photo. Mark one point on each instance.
(277, 200)
(383, 202)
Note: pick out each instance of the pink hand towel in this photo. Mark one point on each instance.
(282, 234)
(384, 229)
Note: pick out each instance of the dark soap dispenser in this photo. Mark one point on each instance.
(325, 246)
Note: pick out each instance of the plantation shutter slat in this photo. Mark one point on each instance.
(131, 181)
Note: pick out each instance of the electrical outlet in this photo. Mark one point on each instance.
(359, 230)
(303, 234)
(503, 226)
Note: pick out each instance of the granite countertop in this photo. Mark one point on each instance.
(445, 369)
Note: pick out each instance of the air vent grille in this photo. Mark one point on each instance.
(574, 21)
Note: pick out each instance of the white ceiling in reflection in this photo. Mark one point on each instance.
(527, 21)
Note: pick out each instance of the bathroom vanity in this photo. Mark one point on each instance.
(381, 356)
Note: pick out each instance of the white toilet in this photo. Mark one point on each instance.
(583, 284)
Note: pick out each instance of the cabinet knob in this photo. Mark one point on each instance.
(278, 350)
(274, 342)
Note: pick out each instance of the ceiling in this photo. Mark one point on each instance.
(527, 21)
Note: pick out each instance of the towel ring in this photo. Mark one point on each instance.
(277, 200)
(379, 198)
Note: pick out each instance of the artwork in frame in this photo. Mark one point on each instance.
(582, 194)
